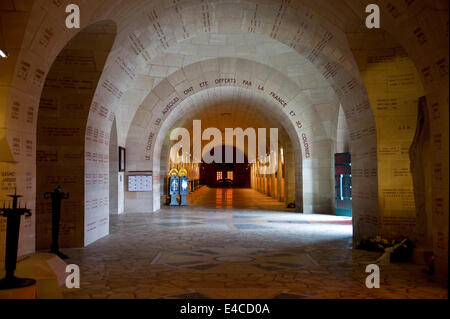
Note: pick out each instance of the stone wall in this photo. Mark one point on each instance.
(394, 87)
(63, 110)
(421, 28)
(18, 114)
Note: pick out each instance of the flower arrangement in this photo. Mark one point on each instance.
(397, 250)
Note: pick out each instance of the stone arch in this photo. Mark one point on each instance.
(63, 112)
(127, 54)
(336, 65)
(183, 84)
(421, 30)
(273, 18)
(162, 143)
(286, 130)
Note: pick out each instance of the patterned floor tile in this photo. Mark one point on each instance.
(258, 249)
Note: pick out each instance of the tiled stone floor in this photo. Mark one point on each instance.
(236, 244)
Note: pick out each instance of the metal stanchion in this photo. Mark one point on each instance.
(57, 196)
(13, 215)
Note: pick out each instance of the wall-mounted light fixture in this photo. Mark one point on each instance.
(3, 54)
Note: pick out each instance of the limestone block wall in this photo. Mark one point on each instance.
(33, 42)
(18, 115)
(394, 87)
(342, 136)
(63, 110)
(421, 28)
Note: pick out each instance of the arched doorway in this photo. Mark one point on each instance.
(230, 113)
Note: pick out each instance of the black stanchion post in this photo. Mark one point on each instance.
(13, 216)
(56, 196)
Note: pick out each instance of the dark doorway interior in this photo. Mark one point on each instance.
(226, 174)
(343, 184)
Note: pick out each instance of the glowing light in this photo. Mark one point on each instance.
(3, 54)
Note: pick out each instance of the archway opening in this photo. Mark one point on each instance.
(226, 175)
(260, 161)
(230, 117)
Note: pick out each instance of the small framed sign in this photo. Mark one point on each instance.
(122, 159)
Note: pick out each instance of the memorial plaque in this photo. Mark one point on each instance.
(140, 183)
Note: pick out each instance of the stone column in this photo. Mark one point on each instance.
(279, 177)
(289, 178)
(419, 164)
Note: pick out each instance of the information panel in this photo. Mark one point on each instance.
(140, 183)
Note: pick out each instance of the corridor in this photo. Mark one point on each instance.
(338, 109)
(235, 243)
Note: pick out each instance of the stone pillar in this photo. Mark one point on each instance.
(420, 168)
(272, 185)
(279, 177)
(266, 185)
(113, 171)
(289, 178)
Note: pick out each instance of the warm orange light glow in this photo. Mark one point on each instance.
(219, 197)
(229, 198)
